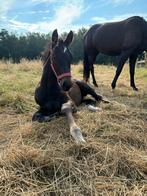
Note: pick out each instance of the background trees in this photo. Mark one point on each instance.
(30, 46)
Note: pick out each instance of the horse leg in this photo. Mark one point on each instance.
(123, 57)
(88, 66)
(91, 62)
(47, 112)
(86, 72)
(93, 76)
(87, 90)
(74, 129)
(132, 61)
(38, 116)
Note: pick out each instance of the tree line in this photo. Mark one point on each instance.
(15, 47)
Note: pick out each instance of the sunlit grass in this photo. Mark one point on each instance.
(42, 159)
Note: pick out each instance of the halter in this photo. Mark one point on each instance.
(59, 77)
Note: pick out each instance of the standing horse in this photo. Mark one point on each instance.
(51, 93)
(127, 38)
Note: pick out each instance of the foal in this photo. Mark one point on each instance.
(51, 94)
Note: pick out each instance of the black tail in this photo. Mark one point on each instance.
(86, 72)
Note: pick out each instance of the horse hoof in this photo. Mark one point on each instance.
(95, 84)
(37, 117)
(86, 80)
(77, 135)
(105, 100)
(113, 86)
(134, 88)
(93, 108)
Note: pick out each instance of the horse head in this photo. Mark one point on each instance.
(61, 59)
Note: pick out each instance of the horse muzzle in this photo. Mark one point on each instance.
(66, 83)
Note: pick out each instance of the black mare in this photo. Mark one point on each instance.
(56, 91)
(127, 38)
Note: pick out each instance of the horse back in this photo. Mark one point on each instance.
(112, 38)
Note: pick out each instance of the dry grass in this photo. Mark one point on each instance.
(42, 159)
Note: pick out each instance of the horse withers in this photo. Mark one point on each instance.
(126, 39)
(56, 91)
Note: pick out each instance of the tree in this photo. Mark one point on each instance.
(31, 45)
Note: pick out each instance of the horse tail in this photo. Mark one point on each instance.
(86, 72)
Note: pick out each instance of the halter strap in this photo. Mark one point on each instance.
(59, 77)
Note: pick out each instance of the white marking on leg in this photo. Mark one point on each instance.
(74, 129)
(94, 108)
(76, 134)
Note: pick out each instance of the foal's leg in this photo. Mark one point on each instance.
(87, 90)
(122, 59)
(74, 129)
(47, 112)
(132, 62)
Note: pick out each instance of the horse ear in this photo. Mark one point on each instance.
(54, 38)
(69, 38)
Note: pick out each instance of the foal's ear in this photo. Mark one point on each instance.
(69, 38)
(54, 38)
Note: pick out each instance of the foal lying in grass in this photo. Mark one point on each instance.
(57, 92)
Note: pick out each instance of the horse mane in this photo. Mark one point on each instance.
(46, 53)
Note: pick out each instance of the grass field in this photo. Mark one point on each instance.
(42, 159)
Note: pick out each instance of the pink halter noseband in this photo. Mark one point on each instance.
(59, 77)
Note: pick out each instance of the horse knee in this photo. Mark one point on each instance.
(66, 107)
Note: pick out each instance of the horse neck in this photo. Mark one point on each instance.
(48, 77)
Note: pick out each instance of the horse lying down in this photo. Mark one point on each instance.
(56, 92)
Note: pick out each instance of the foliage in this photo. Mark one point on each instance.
(17, 47)
(30, 46)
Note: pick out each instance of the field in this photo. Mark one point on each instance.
(40, 159)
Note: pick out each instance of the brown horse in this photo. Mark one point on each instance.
(127, 38)
(57, 92)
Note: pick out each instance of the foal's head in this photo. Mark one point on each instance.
(61, 59)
